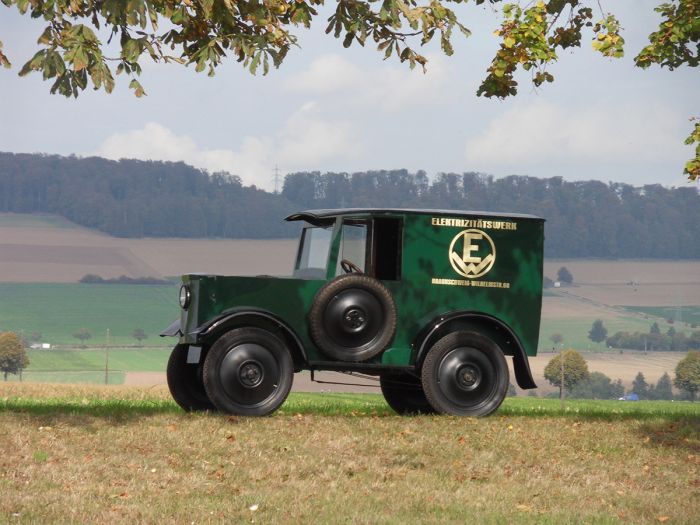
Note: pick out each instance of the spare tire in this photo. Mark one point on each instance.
(352, 318)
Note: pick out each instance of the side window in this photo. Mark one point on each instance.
(312, 256)
(353, 244)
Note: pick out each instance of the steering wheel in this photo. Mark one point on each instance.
(349, 266)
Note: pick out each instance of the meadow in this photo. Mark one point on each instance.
(684, 314)
(59, 310)
(76, 454)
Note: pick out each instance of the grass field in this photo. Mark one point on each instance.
(123, 455)
(575, 330)
(58, 311)
(88, 365)
(684, 314)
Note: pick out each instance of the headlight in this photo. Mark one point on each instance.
(184, 296)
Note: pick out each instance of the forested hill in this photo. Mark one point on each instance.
(131, 198)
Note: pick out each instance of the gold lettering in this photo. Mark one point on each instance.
(467, 256)
(474, 223)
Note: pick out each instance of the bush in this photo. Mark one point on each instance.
(122, 279)
(598, 386)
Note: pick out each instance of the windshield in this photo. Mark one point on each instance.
(313, 252)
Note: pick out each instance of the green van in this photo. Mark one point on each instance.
(430, 302)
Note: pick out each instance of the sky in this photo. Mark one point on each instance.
(333, 109)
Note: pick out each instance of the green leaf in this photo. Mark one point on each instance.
(138, 89)
(347, 41)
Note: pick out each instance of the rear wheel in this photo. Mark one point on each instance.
(404, 393)
(248, 372)
(465, 374)
(185, 382)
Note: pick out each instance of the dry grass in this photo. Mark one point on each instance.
(76, 463)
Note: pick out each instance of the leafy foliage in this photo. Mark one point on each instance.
(83, 335)
(575, 369)
(692, 167)
(598, 332)
(654, 341)
(677, 41)
(13, 355)
(688, 373)
(663, 390)
(640, 386)
(556, 339)
(564, 275)
(598, 386)
(76, 42)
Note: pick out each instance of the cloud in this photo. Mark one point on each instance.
(305, 140)
(543, 136)
(384, 88)
(309, 139)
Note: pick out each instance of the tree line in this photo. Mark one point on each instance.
(132, 198)
(568, 371)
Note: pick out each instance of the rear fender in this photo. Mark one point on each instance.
(485, 324)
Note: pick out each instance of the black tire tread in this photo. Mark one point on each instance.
(221, 347)
(404, 394)
(187, 392)
(436, 353)
(330, 290)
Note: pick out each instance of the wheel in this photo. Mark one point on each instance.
(349, 267)
(185, 382)
(465, 374)
(352, 318)
(248, 372)
(404, 393)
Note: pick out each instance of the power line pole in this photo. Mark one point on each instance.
(107, 360)
(276, 178)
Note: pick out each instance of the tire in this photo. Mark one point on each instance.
(465, 374)
(185, 382)
(404, 394)
(352, 318)
(248, 372)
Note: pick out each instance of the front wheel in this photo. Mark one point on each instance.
(185, 382)
(465, 374)
(248, 372)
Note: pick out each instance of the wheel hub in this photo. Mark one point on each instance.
(251, 374)
(355, 318)
(468, 377)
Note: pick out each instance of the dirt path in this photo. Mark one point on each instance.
(302, 382)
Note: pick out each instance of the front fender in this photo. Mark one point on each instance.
(173, 330)
(213, 328)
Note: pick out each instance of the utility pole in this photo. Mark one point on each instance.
(107, 360)
(561, 389)
(276, 178)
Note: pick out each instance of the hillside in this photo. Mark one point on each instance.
(134, 199)
(50, 249)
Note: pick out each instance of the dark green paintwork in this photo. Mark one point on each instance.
(426, 248)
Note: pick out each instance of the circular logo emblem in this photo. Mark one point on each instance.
(472, 253)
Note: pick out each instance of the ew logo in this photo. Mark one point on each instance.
(472, 253)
